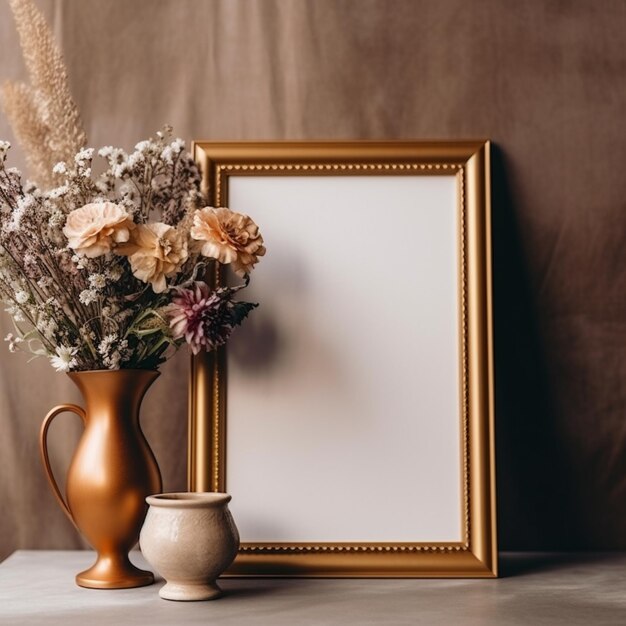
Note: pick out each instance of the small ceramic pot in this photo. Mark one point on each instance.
(190, 539)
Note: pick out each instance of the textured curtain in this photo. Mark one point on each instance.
(544, 80)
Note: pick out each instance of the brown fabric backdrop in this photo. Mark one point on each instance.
(544, 80)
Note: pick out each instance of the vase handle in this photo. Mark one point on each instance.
(43, 448)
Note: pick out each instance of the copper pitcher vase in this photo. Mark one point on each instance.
(111, 473)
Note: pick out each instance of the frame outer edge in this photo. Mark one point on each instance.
(491, 366)
(206, 408)
(483, 536)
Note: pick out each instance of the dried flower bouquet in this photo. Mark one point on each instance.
(104, 270)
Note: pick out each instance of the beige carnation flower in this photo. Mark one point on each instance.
(228, 237)
(155, 252)
(92, 230)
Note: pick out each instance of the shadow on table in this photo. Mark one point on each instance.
(521, 564)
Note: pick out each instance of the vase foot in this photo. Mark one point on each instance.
(190, 593)
(114, 573)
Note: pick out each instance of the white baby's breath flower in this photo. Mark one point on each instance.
(113, 359)
(58, 192)
(64, 360)
(144, 145)
(24, 204)
(116, 155)
(16, 313)
(60, 168)
(78, 261)
(52, 302)
(57, 219)
(107, 342)
(13, 342)
(135, 159)
(86, 154)
(31, 189)
(22, 297)
(102, 186)
(166, 154)
(121, 170)
(97, 281)
(87, 296)
(127, 190)
(47, 327)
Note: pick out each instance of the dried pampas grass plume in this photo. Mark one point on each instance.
(43, 114)
(19, 105)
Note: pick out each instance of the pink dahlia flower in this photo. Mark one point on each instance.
(204, 318)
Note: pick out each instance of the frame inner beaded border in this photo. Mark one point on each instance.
(222, 171)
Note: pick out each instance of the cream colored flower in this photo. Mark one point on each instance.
(93, 230)
(228, 237)
(64, 359)
(155, 252)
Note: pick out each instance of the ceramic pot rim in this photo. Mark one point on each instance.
(188, 500)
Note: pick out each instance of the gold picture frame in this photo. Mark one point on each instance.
(468, 162)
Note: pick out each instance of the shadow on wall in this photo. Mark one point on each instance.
(536, 508)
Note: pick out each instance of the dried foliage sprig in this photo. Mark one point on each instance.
(43, 114)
